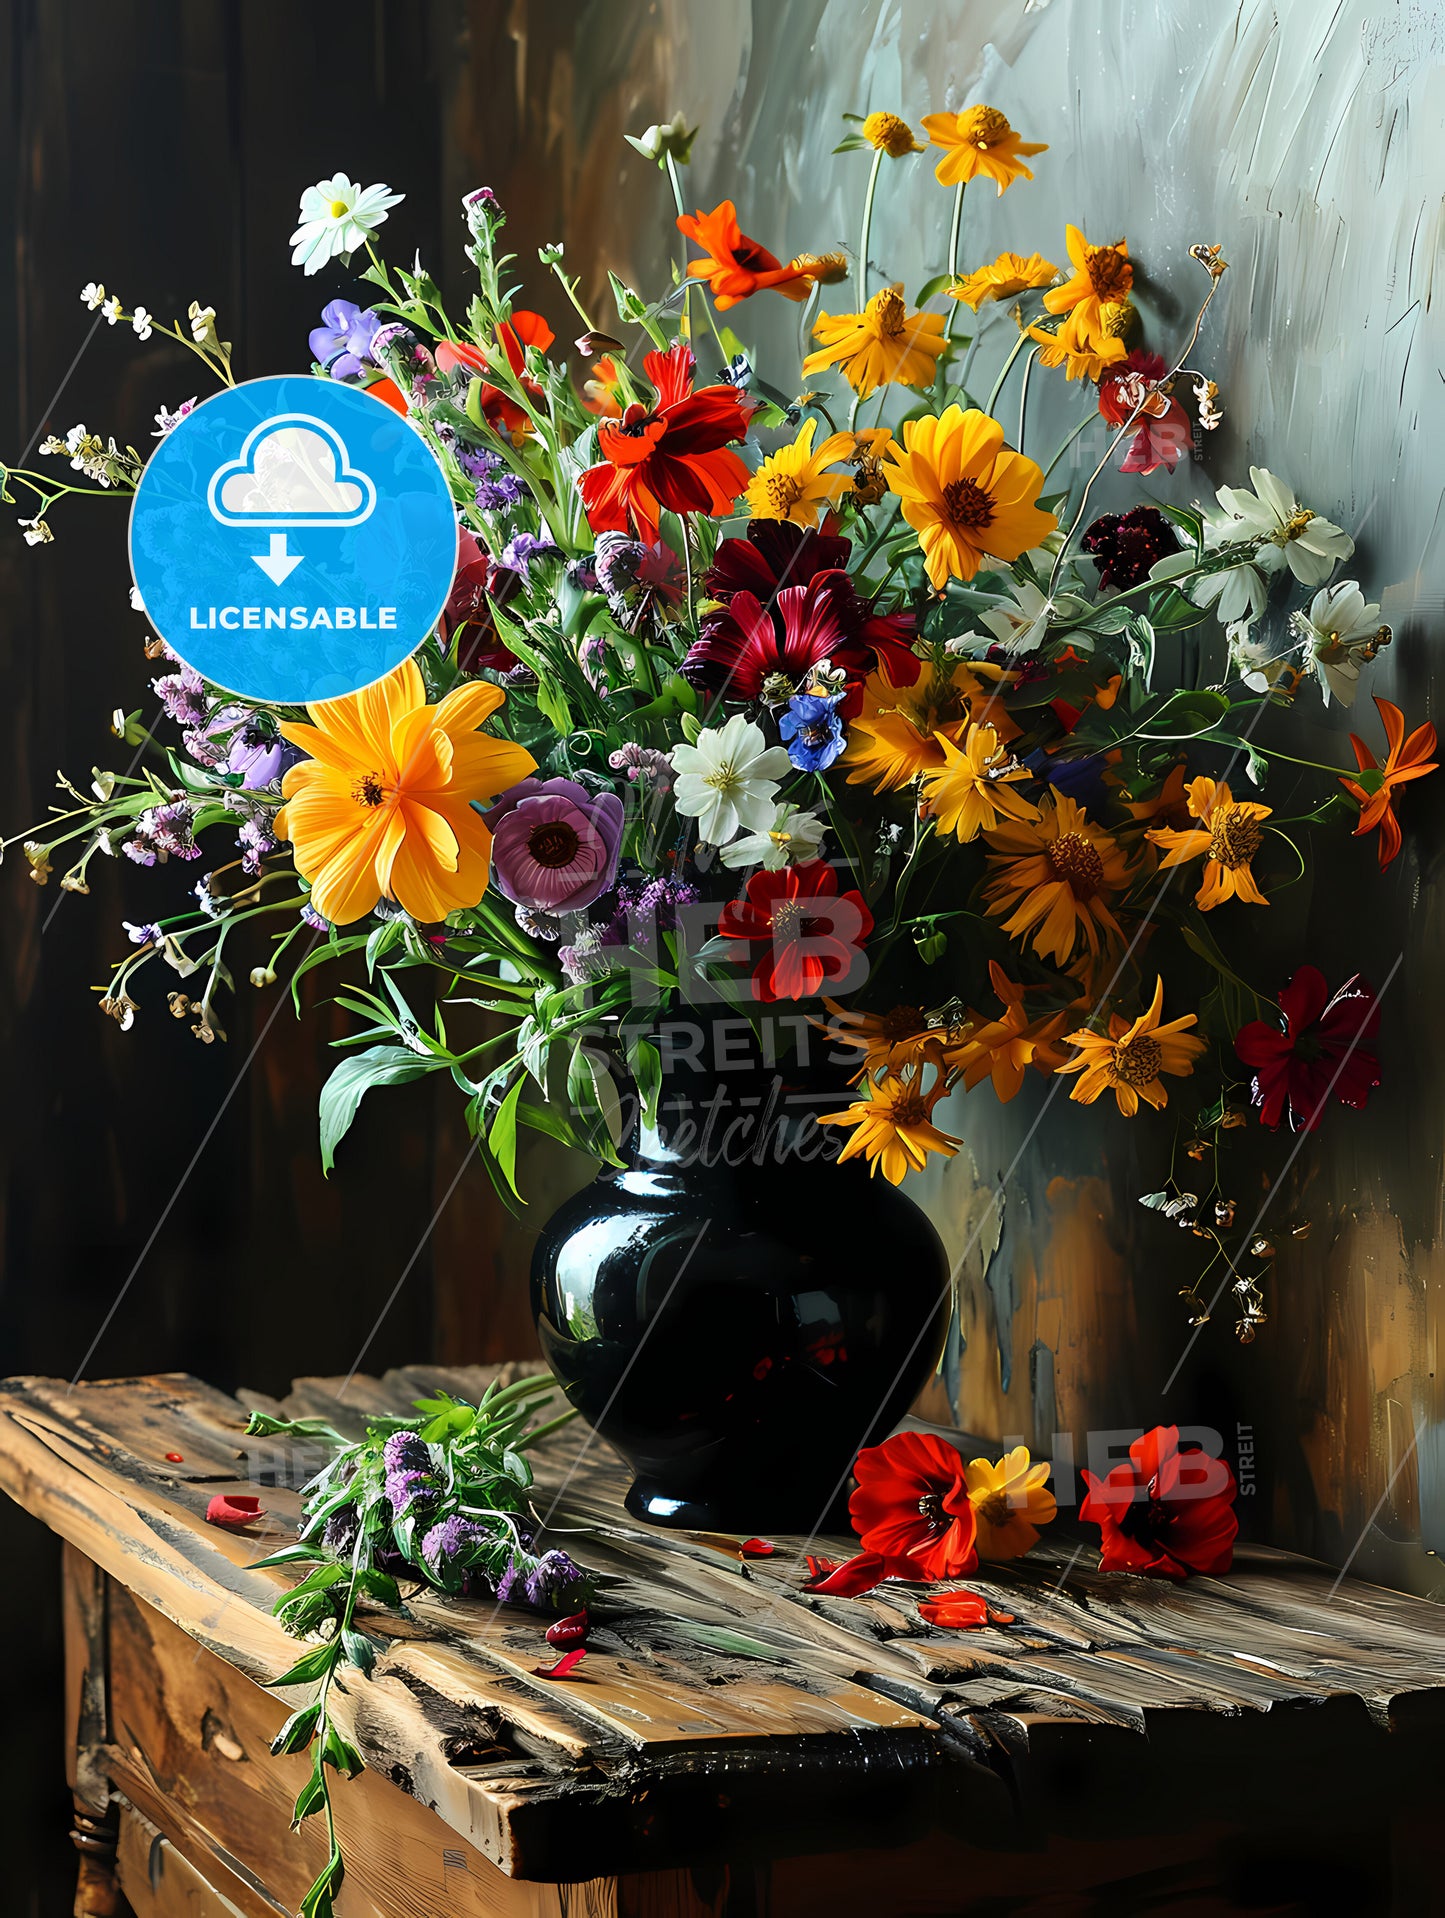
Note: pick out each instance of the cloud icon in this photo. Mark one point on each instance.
(293, 470)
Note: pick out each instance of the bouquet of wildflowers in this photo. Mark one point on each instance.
(808, 685)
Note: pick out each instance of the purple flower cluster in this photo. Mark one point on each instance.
(407, 1462)
(644, 766)
(451, 1539)
(548, 1584)
(255, 840)
(163, 832)
(259, 754)
(497, 486)
(522, 548)
(183, 695)
(344, 343)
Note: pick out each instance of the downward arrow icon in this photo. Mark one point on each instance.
(278, 564)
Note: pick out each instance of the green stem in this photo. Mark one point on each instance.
(687, 284)
(1018, 346)
(862, 277)
(953, 234)
(1024, 397)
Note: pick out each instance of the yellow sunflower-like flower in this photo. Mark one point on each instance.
(1002, 1048)
(889, 133)
(979, 141)
(898, 734)
(383, 806)
(1010, 1501)
(1129, 1059)
(1102, 277)
(793, 483)
(1082, 354)
(1227, 838)
(887, 1040)
(966, 495)
(971, 789)
(893, 1125)
(1010, 273)
(884, 345)
(1056, 879)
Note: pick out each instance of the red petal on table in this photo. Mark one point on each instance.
(566, 1664)
(568, 1632)
(961, 1611)
(756, 1548)
(858, 1575)
(175, 1458)
(234, 1510)
(819, 1567)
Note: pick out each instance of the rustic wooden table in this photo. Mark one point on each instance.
(730, 1745)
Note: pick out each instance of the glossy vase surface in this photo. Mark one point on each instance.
(734, 1311)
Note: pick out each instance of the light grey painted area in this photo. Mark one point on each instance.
(1305, 138)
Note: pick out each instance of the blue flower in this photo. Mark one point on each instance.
(812, 732)
(343, 342)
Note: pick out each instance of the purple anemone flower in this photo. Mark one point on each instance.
(554, 844)
(343, 341)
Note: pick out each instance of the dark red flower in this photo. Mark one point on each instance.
(802, 931)
(234, 1511)
(513, 337)
(961, 1611)
(467, 616)
(568, 1662)
(676, 456)
(568, 1633)
(912, 1502)
(1327, 1050)
(757, 1548)
(752, 641)
(1162, 431)
(1167, 1512)
(856, 1575)
(1125, 545)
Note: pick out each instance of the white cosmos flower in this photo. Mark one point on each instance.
(112, 310)
(728, 779)
(337, 216)
(93, 293)
(1341, 632)
(141, 321)
(1271, 513)
(793, 835)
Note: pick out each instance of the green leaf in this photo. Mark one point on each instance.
(309, 1800)
(342, 1094)
(935, 285)
(340, 1753)
(502, 1136)
(295, 1734)
(645, 1063)
(308, 1669)
(319, 1902)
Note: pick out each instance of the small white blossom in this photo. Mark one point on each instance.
(202, 319)
(166, 421)
(137, 604)
(793, 835)
(1341, 632)
(37, 532)
(337, 216)
(93, 293)
(728, 779)
(141, 321)
(112, 310)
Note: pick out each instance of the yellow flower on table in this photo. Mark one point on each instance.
(383, 805)
(1084, 355)
(979, 142)
(1226, 838)
(971, 789)
(1003, 1047)
(884, 345)
(899, 732)
(966, 495)
(1129, 1059)
(1002, 278)
(1102, 277)
(1010, 1501)
(1057, 879)
(793, 482)
(893, 1125)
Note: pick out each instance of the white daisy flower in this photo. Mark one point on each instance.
(1341, 632)
(1309, 543)
(793, 835)
(337, 216)
(93, 293)
(141, 321)
(728, 779)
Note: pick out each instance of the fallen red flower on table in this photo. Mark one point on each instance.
(1165, 1513)
(234, 1511)
(568, 1632)
(566, 1664)
(1327, 1050)
(961, 1611)
(756, 1548)
(857, 1575)
(912, 1502)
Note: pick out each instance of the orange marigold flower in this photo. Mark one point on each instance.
(1129, 1058)
(737, 267)
(883, 345)
(979, 141)
(1406, 759)
(971, 790)
(887, 1040)
(1102, 277)
(1002, 1048)
(1084, 355)
(1002, 278)
(1227, 838)
(1010, 1500)
(384, 806)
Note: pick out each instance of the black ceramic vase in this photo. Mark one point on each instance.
(734, 1311)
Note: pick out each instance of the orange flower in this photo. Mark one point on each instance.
(513, 336)
(1001, 1048)
(384, 805)
(883, 345)
(1227, 838)
(602, 394)
(887, 1040)
(1375, 788)
(897, 735)
(979, 141)
(1102, 277)
(895, 1129)
(1129, 1059)
(1058, 879)
(737, 267)
(1084, 355)
(1010, 273)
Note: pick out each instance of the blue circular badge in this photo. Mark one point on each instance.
(293, 539)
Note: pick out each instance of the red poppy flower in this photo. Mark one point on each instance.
(961, 1611)
(856, 1575)
(676, 456)
(467, 616)
(568, 1633)
(778, 554)
(1327, 1049)
(737, 267)
(568, 1662)
(912, 1502)
(1165, 1513)
(1162, 431)
(234, 1511)
(804, 930)
(513, 336)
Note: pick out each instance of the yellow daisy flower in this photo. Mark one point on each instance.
(979, 141)
(1010, 273)
(792, 483)
(1002, 1048)
(966, 495)
(1083, 355)
(1227, 838)
(887, 1040)
(1129, 1059)
(893, 1126)
(1102, 277)
(971, 789)
(884, 345)
(888, 133)
(1056, 878)
(897, 735)
(1010, 1501)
